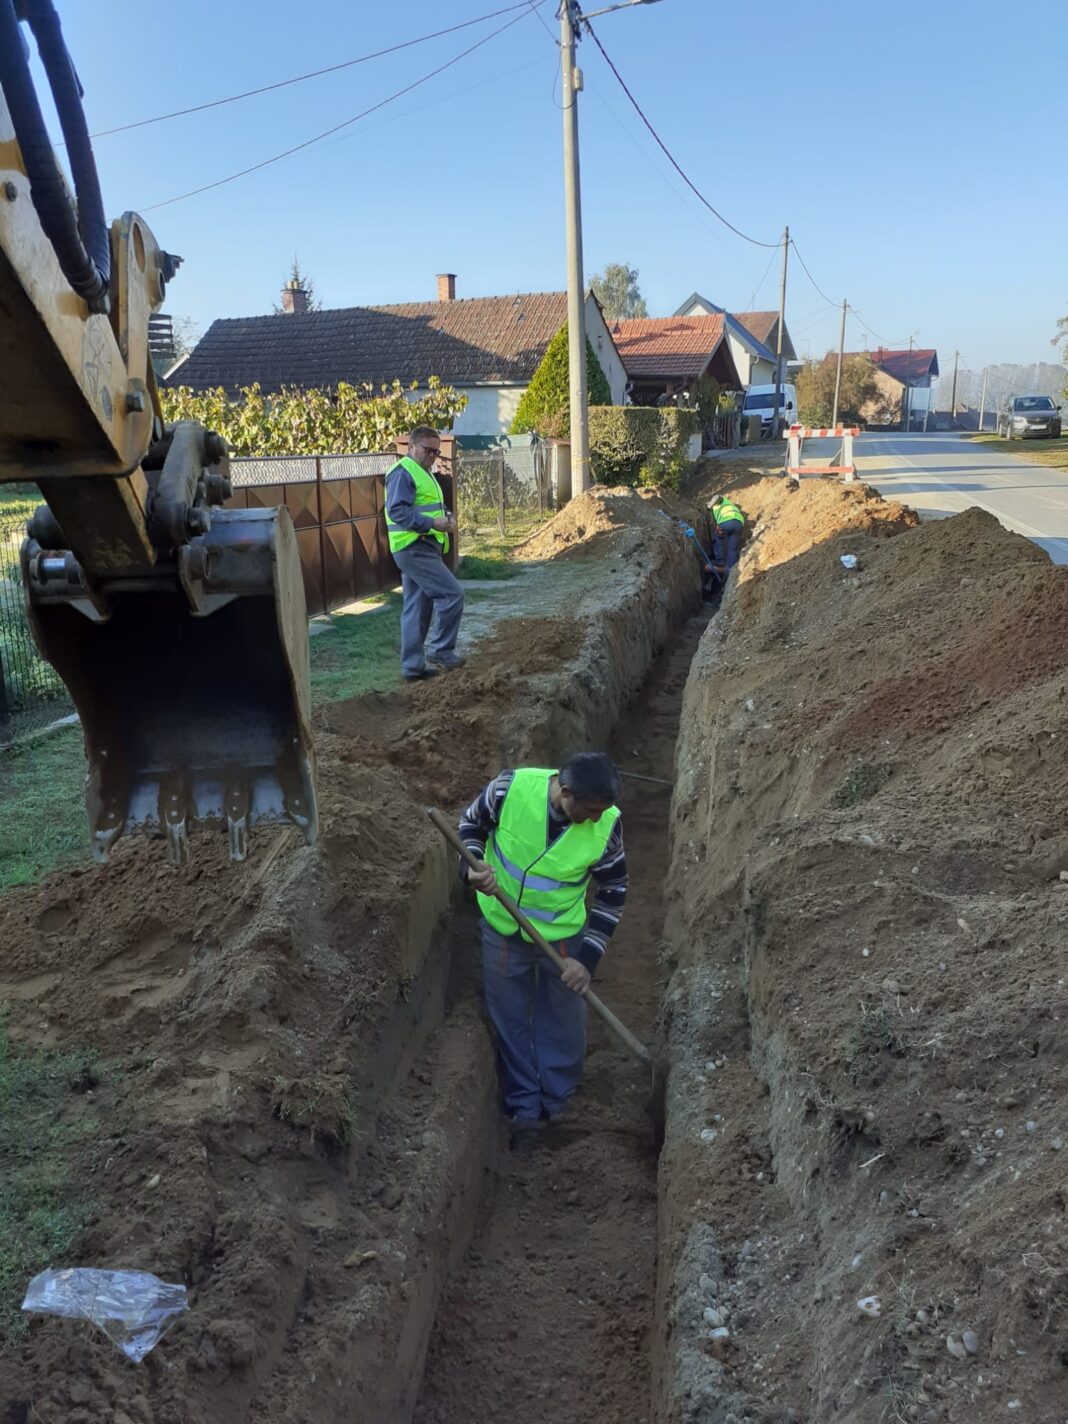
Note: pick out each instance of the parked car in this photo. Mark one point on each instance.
(1030, 415)
(762, 399)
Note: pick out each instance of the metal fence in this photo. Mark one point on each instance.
(31, 691)
(337, 504)
(502, 494)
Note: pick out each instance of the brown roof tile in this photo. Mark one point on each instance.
(670, 346)
(473, 341)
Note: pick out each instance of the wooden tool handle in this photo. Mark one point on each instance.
(620, 1029)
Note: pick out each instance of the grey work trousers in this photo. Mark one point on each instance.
(429, 588)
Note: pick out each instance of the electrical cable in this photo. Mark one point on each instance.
(318, 73)
(808, 274)
(347, 123)
(667, 152)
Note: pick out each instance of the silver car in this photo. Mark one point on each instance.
(1032, 416)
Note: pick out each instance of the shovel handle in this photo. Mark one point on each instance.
(620, 1029)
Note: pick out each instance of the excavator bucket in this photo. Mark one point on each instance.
(192, 684)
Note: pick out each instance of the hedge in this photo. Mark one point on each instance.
(640, 445)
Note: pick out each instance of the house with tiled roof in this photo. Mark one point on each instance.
(664, 356)
(752, 338)
(487, 347)
(906, 384)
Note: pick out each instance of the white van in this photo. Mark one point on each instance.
(762, 399)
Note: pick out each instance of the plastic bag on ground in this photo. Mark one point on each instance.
(133, 1308)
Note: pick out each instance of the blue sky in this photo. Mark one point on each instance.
(916, 155)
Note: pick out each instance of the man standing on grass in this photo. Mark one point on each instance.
(544, 835)
(419, 526)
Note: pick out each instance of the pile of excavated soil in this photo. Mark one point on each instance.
(869, 1069)
(601, 523)
(284, 1120)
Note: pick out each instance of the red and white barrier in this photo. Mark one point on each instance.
(795, 440)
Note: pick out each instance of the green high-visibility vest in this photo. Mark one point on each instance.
(722, 512)
(548, 882)
(429, 500)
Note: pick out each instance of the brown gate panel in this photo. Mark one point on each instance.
(303, 504)
(368, 498)
(367, 558)
(311, 568)
(337, 551)
(336, 500)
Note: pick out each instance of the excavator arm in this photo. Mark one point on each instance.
(178, 625)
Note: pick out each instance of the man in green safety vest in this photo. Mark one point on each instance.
(729, 521)
(545, 837)
(419, 526)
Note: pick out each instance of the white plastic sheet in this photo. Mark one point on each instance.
(133, 1308)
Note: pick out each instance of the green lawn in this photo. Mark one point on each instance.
(17, 502)
(43, 1207)
(1039, 452)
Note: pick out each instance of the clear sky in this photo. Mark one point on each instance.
(916, 153)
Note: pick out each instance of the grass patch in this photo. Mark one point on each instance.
(42, 800)
(18, 501)
(42, 1212)
(1053, 453)
(360, 654)
(486, 566)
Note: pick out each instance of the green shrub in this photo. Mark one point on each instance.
(545, 406)
(640, 445)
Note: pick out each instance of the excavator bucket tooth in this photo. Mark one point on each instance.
(192, 685)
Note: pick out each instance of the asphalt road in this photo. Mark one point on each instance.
(940, 475)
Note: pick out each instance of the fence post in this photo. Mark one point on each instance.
(322, 533)
(5, 710)
(500, 492)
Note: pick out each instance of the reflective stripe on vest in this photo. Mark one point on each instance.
(547, 881)
(429, 500)
(722, 512)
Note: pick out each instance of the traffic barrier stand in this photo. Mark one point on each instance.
(795, 440)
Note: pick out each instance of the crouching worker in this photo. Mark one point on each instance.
(727, 544)
(545, 836)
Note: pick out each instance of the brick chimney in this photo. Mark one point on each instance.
(295, 299)
(446, 286)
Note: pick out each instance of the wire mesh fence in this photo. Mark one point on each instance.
(502, 495)
(31, 691)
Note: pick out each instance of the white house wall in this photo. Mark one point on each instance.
(600, 339)
(490, 410)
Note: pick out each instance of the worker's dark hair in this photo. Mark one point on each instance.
(593, 777)
(420, 433)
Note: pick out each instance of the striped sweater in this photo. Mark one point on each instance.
(609, 873)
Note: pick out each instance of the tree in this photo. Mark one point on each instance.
(860, 397)
(342, 421)
(546, 404)
(616, 288)
(1061, 340)
(186, 335)
(302, 280)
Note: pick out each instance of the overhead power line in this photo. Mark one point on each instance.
(882, 340)
(346, 123)
(527, 5)
(667, 152)
(808, 274)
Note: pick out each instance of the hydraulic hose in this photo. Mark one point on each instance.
(79, 235)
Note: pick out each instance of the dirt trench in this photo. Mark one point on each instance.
(289, 1112)
(552, 1312)
(863, 1178)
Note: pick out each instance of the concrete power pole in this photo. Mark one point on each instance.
(906, 423)
(576, 292)
(778, 339)
(953, 397)
(982, 402)
(838, 373)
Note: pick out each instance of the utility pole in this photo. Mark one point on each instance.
(576, 292)
(982, 401)
(571, 86)
(906, 424)
(953, 397)
(838, 373)
(778, 338)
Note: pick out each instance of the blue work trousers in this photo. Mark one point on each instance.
(540, 1024)
(727, 544)
(430, 588)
